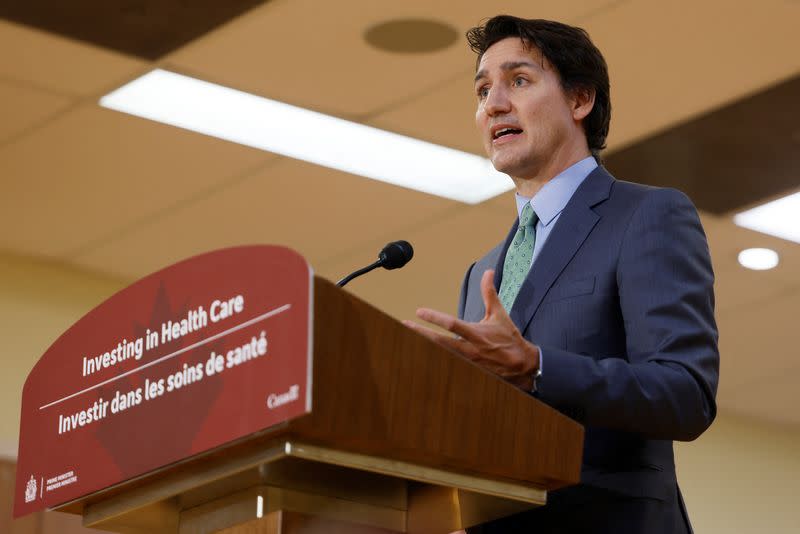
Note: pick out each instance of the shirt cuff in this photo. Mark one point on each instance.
(537, 375)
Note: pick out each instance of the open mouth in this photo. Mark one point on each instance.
(506, 131)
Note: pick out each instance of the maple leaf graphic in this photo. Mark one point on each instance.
(160, 430)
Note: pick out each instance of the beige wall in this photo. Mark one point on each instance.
(741, 476)
(38, 301)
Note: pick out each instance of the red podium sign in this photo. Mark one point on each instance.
(189, 358)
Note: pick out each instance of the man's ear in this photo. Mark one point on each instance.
(582, 102)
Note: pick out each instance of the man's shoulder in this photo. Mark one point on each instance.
(632, 189)
(624, 199)
(635, 196)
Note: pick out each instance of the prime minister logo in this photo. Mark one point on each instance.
(30, 490)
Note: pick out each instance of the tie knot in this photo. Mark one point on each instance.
(528, 217)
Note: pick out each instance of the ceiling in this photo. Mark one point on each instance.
(108, 193)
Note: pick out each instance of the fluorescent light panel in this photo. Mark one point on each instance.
(299, 133)
(780, 218)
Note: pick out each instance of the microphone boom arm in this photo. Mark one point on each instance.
(393, 256)
(359, 272)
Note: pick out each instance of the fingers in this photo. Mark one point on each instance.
(424, 330)
(490, 299)
(446, 321)
(457, 344)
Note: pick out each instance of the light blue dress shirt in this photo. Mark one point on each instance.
(552, 198)
(548, 203)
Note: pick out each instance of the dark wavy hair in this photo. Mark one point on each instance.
(579, 63)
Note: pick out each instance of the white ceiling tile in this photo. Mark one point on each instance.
(93, 172)
(669, 61)
(320, 212)
(443, 250)
(296, 53)
(62, 65)
(23, 108)
(445, 115)
(726, 240)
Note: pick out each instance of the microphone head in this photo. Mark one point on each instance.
(396, 254)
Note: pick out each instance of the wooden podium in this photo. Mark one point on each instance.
(403, 436)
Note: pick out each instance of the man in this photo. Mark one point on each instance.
(600, 300)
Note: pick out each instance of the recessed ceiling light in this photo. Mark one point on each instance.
(758, 259)
(303, 134)
(411, 36)
(780, 218)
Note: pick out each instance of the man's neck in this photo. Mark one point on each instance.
(530, 185)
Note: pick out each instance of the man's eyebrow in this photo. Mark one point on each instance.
(507, 66)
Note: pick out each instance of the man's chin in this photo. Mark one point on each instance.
(514, 165)
(505, 166)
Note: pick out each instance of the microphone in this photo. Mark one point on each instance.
(393, 256)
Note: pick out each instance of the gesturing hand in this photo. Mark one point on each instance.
(495, 343)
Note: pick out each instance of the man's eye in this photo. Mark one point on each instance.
(519, 81)
(483, 92)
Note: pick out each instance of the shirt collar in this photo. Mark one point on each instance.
(552, 198)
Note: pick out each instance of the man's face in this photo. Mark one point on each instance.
(524, 117)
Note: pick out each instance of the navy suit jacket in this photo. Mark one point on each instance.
(620, 300)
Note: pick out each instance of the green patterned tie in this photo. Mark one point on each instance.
(518, 257)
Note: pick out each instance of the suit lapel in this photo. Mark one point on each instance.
(572, 227)
(474, 309)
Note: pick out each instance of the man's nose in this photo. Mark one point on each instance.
(497, 101)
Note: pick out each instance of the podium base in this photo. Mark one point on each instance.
(283, 522)
(303, 488)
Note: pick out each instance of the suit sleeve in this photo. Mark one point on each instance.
(665, 386)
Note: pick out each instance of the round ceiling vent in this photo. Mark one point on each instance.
(411, 36)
